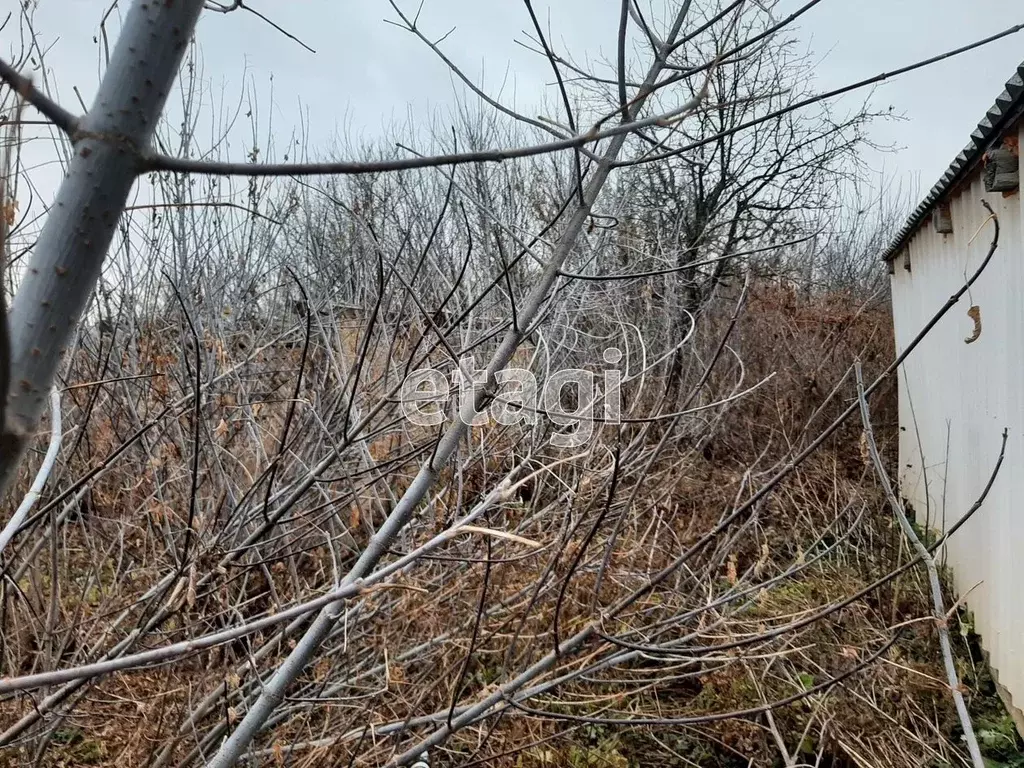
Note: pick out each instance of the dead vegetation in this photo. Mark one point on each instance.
(668, 548)
(731, 633)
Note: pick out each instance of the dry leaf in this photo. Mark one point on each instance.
(321, 670)
(975, 314)
(10, 211)
(763, 559)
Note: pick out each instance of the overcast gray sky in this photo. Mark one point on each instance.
(366, 74)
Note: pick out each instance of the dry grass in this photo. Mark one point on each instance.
(403, 649)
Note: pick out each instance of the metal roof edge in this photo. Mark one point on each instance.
(1009, 106)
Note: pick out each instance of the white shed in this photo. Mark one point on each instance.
(965, 382)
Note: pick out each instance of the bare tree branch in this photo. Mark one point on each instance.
(55, 113)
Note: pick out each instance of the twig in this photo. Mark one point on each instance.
(276, 26)
(938, 605)
(41, 476)
(50, 109)
(495, 533)
(881, 77)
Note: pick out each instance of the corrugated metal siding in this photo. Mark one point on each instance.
(973, 391)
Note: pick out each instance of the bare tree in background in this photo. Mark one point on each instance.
(239, 512)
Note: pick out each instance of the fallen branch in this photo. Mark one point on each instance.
(938, 606)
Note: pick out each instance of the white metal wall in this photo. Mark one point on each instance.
(956, 398)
